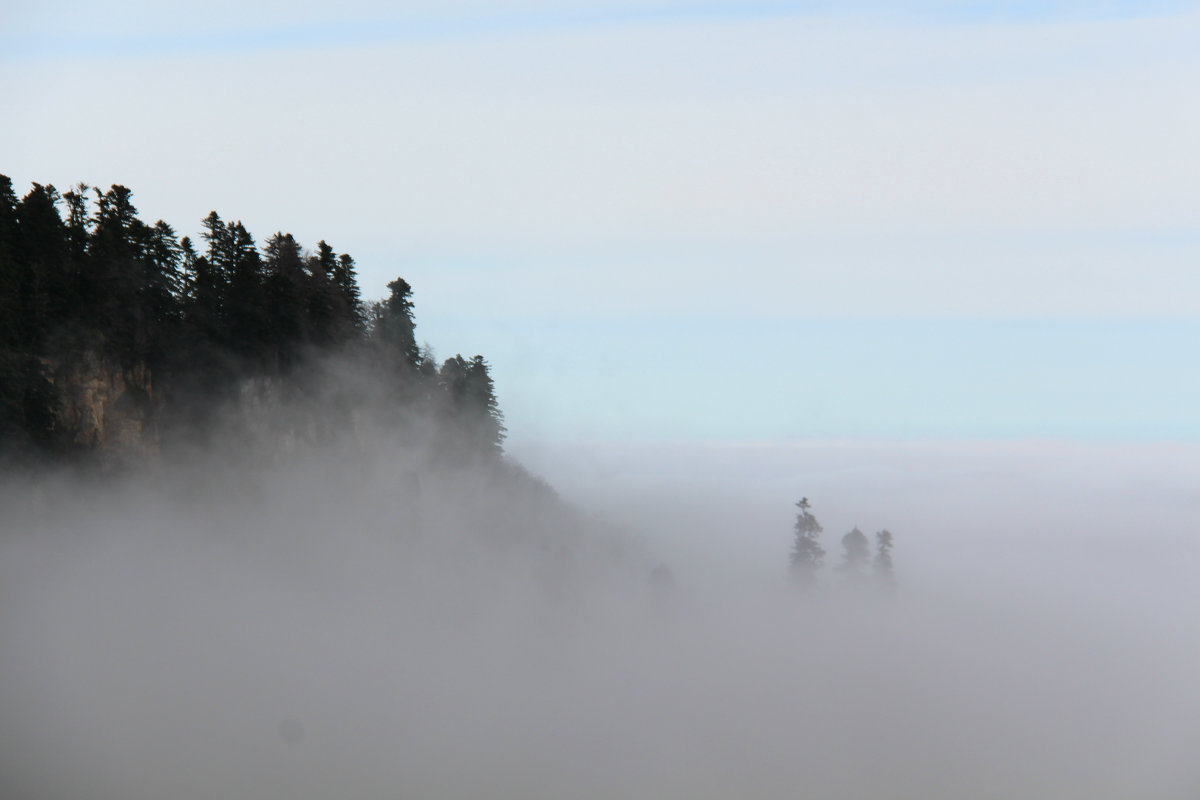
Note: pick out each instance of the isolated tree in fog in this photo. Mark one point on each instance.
(883, 555)
(856, 553)
(806, 550)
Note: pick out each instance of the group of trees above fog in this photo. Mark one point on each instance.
(856, 563)
(84, 277)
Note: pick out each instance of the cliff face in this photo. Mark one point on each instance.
(105, 407)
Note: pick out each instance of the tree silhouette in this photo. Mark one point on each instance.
(187, 329)
(484, 407)
(806, 549)
(245, 325)
(394, 330)
(346, 281)
(472, 403)
(285, 298)
(10, 273)
(856, 553)
(883, 556)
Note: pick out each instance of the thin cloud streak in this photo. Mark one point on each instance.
(142, 34)
(421, 28)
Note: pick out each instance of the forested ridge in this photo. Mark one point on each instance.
(92, 295)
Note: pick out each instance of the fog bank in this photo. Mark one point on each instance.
(369, 623)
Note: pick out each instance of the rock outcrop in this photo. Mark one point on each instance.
(105, 407)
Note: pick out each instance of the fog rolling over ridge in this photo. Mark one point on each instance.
(361, 620)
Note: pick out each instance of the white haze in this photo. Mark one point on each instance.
(363, 623)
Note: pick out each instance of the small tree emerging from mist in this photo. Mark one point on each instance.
(806, 550)
(856, 553)
(883, 556)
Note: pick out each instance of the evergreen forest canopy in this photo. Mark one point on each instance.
(87, 288)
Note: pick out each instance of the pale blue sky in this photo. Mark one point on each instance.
(688, 220)
(114, 27)
(664, 379)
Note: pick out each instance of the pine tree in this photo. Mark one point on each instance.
(10, 272)
(394, 329)
(245, 298)
(806, 550)
(883, 556)
(488, 419)
(115, 262)
(77, 301)
(856, 553)
(39, 261)
(79, 220)
(324, 299)
(285, 291)
(161, 292)
(473, 410)
(352, 313)
(12, 387)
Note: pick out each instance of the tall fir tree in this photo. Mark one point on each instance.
(10, 272)
(119, 262)
(161, 293)
(285, 290)
(324, 305)
(245, 298)
(346, 280)
(807, 553)
(40, 259)
(394, 328)
(484, 407)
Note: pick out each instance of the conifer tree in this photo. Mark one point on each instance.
(394, 328)
(10, 277)
(324, 300)
(12, 421)
(78, 220)
(39, 260)
(883, 556)
(115, 255)
(161, 292)
(472, 405)
(807, 552)
(285, 290)
(346, 280)
(484, 406)
(856, 553)
(245, 299)
(77, 300)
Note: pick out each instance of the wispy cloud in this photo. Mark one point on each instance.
(133, 29)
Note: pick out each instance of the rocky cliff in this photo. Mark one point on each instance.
(105, 407)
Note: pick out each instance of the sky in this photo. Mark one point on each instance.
(688, 221)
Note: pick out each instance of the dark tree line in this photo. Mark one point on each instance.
(82, 276)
